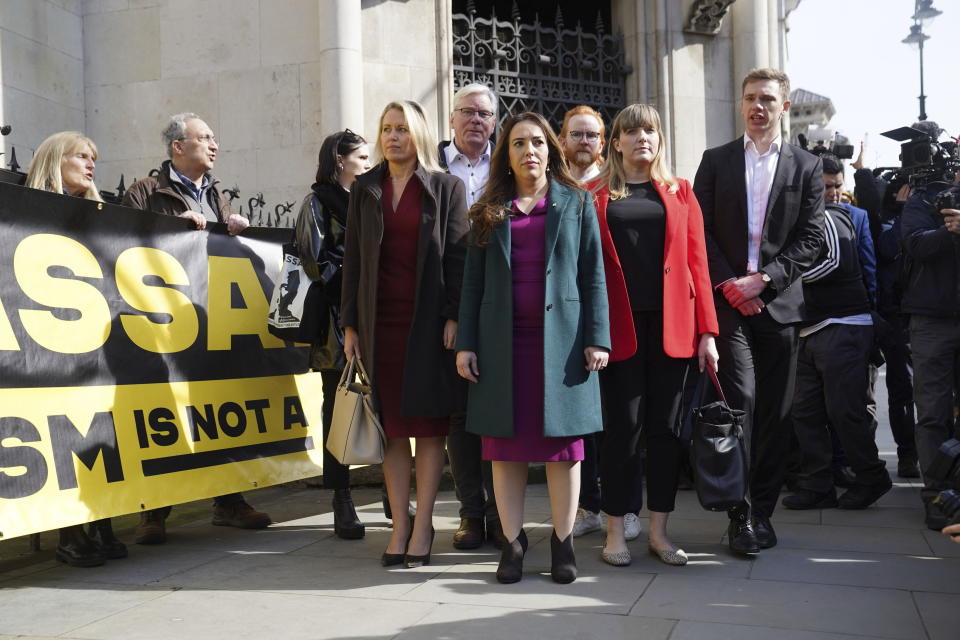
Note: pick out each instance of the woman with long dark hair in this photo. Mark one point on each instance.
(402, 267)
(320, 229)
(661, 315)
(533, 332)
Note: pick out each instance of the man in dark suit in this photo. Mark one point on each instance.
(762, 202)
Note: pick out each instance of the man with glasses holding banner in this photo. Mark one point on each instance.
(184, 187)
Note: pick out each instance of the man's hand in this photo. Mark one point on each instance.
(596, 358)
(467, 365)
(904, 193)
(858, 163)
(449, 334)
(951, 219)
(954, 531)
(742, 289)
(199, 222)
(236, 223)
(751, 307)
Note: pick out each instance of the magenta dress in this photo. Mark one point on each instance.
(396, 290)
(528, 264)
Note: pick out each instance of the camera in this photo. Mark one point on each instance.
(922, 159)
(826, 141)
(947, 199)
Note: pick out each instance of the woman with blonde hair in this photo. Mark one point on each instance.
(661, 316)
(403, 263)
(65, 163)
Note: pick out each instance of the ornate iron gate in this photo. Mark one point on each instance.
(536, 68)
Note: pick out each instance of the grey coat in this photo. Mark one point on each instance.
(430, 382)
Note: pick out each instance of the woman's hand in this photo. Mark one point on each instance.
(467, 364)
(707, 351)
(449, 334)
(351, 343)
(596, 358)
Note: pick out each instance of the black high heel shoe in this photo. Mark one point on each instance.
(346, 524)
(393, 559)
(412, 562)
(510, 569)
(563, 563)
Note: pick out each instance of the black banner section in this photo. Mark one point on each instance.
(98, 294)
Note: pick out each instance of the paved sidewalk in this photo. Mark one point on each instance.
(835, 574)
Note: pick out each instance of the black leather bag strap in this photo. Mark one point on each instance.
(686, 429)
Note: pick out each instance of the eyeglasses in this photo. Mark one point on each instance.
(591, 136)
(208, 139)
(468, 113)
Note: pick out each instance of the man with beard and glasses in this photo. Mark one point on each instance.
(581, 137)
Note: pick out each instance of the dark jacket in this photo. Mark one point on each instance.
(160, 196)
(834, 287)
(933, 258)
(575, 317)
(320, 232)
(792, 229)
(430, 380)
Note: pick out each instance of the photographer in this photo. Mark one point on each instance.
(931, 242)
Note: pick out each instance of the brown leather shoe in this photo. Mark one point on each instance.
(152, 528)
(240, 515)
(469, 535)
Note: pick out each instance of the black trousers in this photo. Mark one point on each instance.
(895, 346)
(936, 355)
(758, 363)
(832, 382)
(590, 472)
(472, 476)
(642, 394)
(335, 475)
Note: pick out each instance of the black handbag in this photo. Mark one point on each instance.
(718, 457)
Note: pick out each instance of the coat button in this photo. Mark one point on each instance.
(667, 270)
(549, 306)
(548, 271)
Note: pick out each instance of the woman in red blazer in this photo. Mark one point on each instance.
(661, 315)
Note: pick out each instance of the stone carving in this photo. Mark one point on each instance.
(706, 16)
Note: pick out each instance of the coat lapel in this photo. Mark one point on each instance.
(672, 212)
(739, 168)
(784, 164)
(502, 233)
(557, 202)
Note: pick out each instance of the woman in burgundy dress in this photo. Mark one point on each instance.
(533, 332)
(402, 267)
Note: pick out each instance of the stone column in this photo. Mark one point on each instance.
(341, 65)
(751, 42)
(444, 24)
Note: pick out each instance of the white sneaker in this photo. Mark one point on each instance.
(586, 522)
(631, 526)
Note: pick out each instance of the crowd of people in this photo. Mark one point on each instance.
(549, 298)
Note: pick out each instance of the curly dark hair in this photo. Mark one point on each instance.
(491, 209)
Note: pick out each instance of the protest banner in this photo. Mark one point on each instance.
(136, 369)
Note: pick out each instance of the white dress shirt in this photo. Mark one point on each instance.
(474, 176)
(758, 175)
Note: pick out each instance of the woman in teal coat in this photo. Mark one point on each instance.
(533, 331)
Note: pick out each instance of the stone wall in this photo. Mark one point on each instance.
(41, 72)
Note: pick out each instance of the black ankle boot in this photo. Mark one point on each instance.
(563, 564)
(510, 569)
(77, 550)
(346, 524)
(101, 534)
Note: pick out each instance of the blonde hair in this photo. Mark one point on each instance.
(423, 140)
(44, 170)
(613, 174)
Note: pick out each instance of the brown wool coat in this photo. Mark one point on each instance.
(160, 196)
(431, 387)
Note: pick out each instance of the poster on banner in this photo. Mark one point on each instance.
(136, 369)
